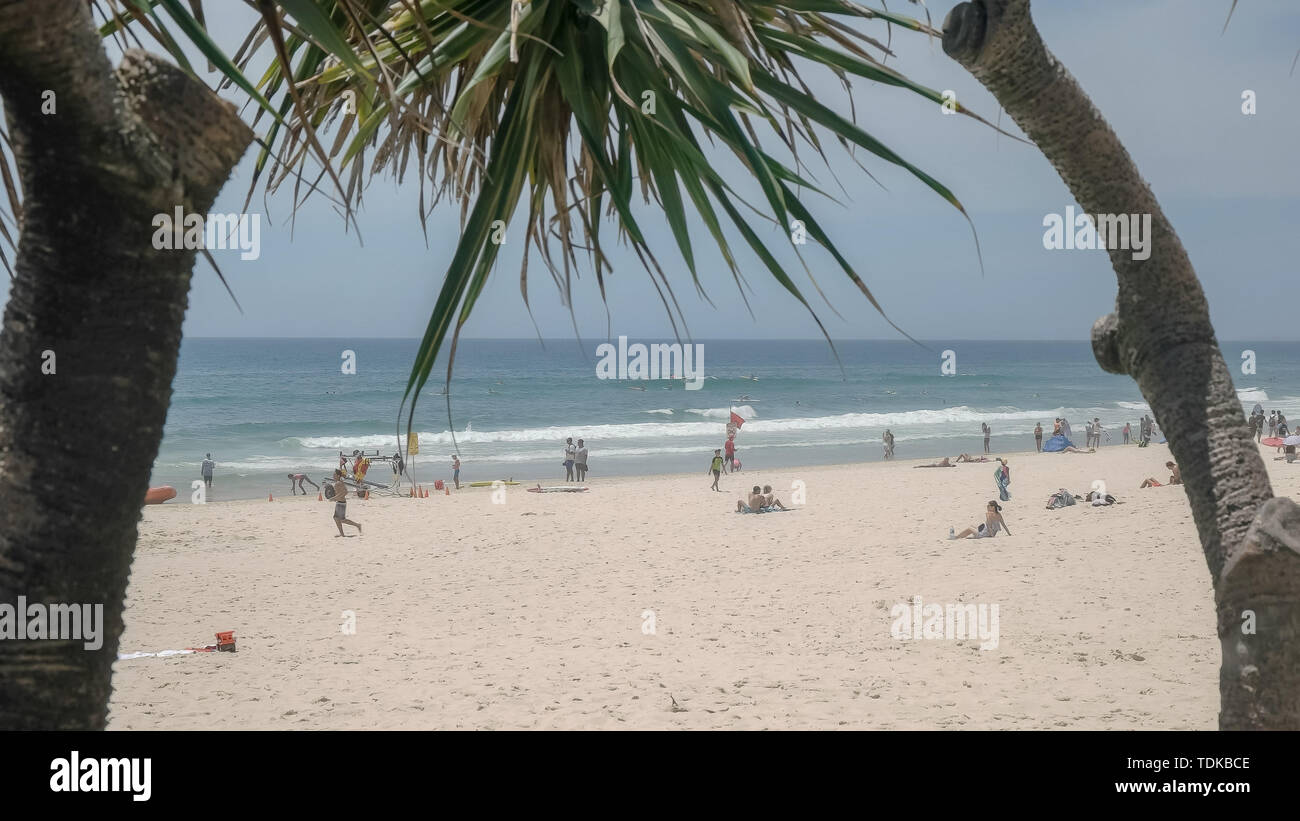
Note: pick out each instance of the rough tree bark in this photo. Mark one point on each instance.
(77, 446)
(1160, 334)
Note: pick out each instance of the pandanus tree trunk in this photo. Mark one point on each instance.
(1160, 334)
(92, 330)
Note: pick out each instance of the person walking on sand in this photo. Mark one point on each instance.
(455, 470)
(295, 484)
(341, 504)
(716, 468)
(1128, 433)
(888, 439)
(580, 461)
(570, 453)
(1002, 477)
(206, 470)
(1038, 437)
(984, 426)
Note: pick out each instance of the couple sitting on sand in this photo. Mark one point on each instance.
(759, 501)
(1175, 478)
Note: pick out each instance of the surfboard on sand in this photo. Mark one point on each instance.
(489, 484)
(558, 489)
(158, 495)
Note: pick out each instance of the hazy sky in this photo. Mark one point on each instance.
(1160, 71)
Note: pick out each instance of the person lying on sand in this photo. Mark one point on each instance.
(770, 500)
(1073, 449)
(993, 521)
(943, 464)
(966, 457)
(753, 504)
(1176, 477)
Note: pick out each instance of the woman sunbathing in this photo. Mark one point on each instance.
(944, 464)
(966, 457)
(993, 521)
(770, 502)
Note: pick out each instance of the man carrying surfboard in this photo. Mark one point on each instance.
(340, 497)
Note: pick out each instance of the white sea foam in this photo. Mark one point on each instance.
(948, 422)
(664, 411)
(745, 411)
(1252, 395)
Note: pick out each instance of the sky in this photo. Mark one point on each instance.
(1163, 72)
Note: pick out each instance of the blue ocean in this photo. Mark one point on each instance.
(265, 408)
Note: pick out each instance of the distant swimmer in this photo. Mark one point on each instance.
(295, 483)
(633, 388)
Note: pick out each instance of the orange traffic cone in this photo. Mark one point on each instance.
(269, 497)
(320, 496)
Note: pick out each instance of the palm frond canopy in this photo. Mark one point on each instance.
(579, 106)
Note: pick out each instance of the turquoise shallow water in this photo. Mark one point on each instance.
(268, 407)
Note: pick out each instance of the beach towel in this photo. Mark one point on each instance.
(1002, 480)
(1057, 443)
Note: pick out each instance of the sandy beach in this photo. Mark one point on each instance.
(536, 613)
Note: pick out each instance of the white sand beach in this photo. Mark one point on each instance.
(532, 613)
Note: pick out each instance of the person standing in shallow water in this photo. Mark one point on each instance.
(580, 461)
(1038, 436)
(985, 427)
(206, 470)
(570, 454)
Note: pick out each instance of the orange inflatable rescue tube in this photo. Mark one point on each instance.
(158, 495)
